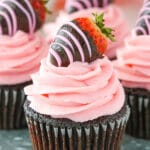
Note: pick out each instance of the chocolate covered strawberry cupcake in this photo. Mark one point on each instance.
(21, 49)
(76, 101)
(133, 67)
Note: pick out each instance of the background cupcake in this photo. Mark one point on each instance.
(133, 67)
(74, 9)
(21, 49)
(85, 108)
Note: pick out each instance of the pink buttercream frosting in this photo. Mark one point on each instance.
(79, 92)
(20, 56)
(113, 18)
(133, 64)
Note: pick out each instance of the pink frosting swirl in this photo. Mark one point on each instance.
(20, 56)
(133, 64)
(113, 18)
(79, 92)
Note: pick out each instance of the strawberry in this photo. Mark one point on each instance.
(82, 39)
(39, 7)
(25, 15)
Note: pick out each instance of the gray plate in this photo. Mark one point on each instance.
(19, 140)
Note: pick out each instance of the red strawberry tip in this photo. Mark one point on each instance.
(40, 8)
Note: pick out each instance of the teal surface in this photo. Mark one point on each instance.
(19, 140)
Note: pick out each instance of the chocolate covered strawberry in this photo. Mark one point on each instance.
(25, 15)
(82, 39)
(76, 5)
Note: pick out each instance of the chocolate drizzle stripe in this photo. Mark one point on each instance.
(67, 51)
(7, 21)
(33, 15)
(56, 56)
(147, 23)
(82, 35)
(77, 43)
(12, 14)
(64, 39)
(140, 29)
(12, 27)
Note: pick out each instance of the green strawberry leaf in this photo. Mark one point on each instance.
(99, 21)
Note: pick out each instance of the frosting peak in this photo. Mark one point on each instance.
(82, 92)
(133, 64)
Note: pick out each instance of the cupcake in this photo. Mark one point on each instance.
(133, 67)
(76, 101)
(21, 49)
(112, 12)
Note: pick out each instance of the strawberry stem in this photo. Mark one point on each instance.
(44, 3)
(99, 21)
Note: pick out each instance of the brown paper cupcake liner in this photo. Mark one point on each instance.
(139, 121)
(12, 99)
(61, 134)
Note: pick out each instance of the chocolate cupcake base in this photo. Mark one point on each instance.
(12, 99)
(139, 121)
(104, 133)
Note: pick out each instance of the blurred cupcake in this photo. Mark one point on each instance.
(21, 49)
(83, 101)
(133, 67)
(75, 9)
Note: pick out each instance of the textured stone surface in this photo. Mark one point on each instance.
(19, 140)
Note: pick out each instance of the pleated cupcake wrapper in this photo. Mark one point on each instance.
(11, 108)
(104, 136)
(139, 121)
